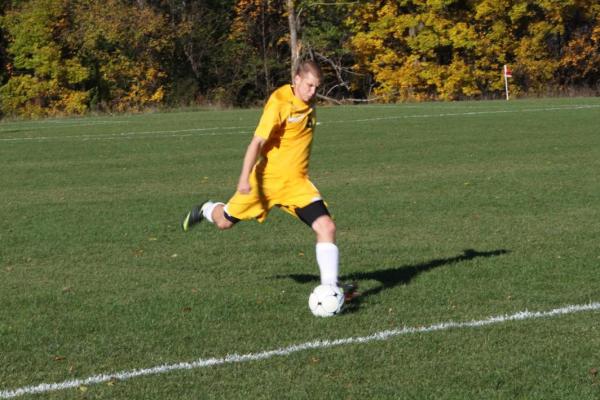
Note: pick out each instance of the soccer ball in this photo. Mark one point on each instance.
(326, 300)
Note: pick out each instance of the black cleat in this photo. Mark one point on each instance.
(192, 218)
(350, 291)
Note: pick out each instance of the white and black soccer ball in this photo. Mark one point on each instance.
(326, 300)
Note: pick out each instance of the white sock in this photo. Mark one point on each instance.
(208, 208)
(328, 260)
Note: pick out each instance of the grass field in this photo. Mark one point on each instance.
(445, 212)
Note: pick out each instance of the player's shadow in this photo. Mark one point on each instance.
(392, 277)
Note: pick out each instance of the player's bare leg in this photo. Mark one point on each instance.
(218, 217)
(211, 211)
(325, 229)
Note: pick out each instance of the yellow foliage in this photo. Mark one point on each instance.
(158, 95)
(73, 102)
(250, 12)
(65, 49)
(30, 97)
(126, 43)
(447, 49)
(581, 58)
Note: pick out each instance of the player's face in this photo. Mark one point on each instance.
(305, 86)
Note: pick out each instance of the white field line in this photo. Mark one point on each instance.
(63, 124)
(470, 113)
(214, 131)
(285, 351)
(135, 135)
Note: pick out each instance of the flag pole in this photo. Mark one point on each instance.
(506, 80)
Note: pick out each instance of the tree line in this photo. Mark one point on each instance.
(61, 57)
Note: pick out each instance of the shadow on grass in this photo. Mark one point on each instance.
(392, 277)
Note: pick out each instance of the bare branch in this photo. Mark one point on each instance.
(336, 68)
(330, 99)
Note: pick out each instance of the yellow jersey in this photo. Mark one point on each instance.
(287, 126)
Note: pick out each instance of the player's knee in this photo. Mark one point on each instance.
(325, 227)
(223, 224)
(222, 219)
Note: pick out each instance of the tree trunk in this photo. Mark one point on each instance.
(265, 48)
(294, 47)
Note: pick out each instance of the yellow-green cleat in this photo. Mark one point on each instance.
(193, 217)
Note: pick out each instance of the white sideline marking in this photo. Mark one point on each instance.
(63, 124)
(214, 131)
(135, 135)
(285, 351)
(470, 113)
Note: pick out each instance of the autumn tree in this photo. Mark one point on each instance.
(259, 33)
(47, 78)
(323, 36)
(579, 66)
(4, 63)
(554, 43)
(70, 55)
(452, 49)
(421, 49)
(201, 65)
(124, 50)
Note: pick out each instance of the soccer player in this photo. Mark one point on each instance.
(275, 173)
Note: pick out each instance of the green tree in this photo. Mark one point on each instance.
(46, 79)
(4, 60)
(324, 37)
(70, 55)
(200, 66)
(259, 38)
(124, 50)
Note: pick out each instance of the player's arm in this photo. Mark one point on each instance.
(269, 121)
(250, 158)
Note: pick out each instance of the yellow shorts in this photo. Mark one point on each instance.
(266, 193)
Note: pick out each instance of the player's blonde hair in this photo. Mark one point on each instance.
(309, 66)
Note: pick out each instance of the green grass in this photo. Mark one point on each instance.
(445, 211)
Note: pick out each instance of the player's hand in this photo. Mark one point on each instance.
(244, 187)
